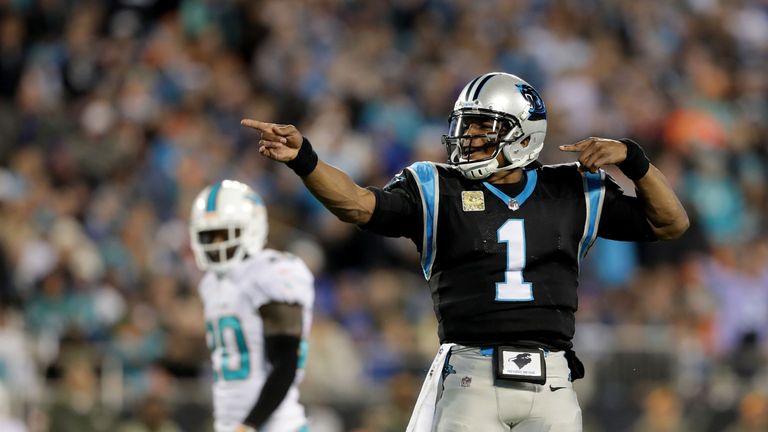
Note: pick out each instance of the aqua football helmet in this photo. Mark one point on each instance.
(228, 222)
(509, 110)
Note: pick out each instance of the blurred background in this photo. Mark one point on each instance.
(114, 114)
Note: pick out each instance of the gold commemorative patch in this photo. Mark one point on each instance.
(472, 201)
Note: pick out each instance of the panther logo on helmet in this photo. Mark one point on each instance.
(514, 120)
(538, 110)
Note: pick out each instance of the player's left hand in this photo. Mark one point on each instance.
(597, 152)
(244, 428)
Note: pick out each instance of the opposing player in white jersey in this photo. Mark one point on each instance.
(258, 308)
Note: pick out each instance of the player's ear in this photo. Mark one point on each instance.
(524, 143)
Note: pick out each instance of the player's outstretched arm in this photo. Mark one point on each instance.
(282, 336)
(333, 187)
(663, 209)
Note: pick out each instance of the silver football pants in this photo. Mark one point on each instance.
(473, 400)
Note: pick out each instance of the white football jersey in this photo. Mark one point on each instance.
(234, 333)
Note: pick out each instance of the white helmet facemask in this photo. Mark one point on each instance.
(498, 111)
(228, 222)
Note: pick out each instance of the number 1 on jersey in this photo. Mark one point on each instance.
(514, 288)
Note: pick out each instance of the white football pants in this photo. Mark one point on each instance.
(470, 401)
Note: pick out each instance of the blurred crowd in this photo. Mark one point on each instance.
(115, 113)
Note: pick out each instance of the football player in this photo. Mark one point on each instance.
(501, 239)
(258, 307)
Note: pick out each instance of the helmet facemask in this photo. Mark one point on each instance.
(475, 139)
(221, 247)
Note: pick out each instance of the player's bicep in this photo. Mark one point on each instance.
(397, 214)
(282, 319)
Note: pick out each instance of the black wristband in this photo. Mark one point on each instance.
(305, 160)
(636, 164)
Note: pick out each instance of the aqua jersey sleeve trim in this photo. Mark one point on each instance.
(594, 194)
(425, 174)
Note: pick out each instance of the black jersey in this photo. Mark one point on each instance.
(502, 261)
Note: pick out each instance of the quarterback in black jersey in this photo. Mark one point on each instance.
(501, 238)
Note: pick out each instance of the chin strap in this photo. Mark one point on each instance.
(486, 171)
(490, 166)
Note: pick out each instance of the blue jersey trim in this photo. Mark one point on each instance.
(425, 174)
(594, 192)
(532, 177)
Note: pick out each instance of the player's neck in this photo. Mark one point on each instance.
(502, 177)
